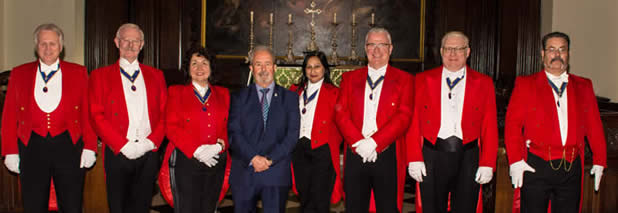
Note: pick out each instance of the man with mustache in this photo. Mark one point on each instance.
(264, 123)
(549, 115)
(127, 108)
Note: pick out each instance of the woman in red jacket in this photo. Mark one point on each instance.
(315, 160)
(196, 122)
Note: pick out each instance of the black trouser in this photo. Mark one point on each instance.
(47, 158)
(130, 183)
(561, 187)
(360, 178)
(196, 186)
(451, 167)
(314, 175)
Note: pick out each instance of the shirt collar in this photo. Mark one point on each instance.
(46, 69)
(200, 89)
(453, 75)
(271, 86)
(376, 73)
(128, 67)
(564, 77)
(312, 87)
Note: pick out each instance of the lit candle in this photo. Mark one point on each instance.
(251, 19)
(353, 18)
(271, 18)
(289, 18)
(373, 17)
(334, 18)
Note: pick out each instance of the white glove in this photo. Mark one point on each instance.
(528, 143)
(417, 170)
(12, 162)
(597, 171)
(365, 147)
(207, 154)
(484, 174)
(517, 170)
(210, 162)
(372, 157)
(88, 158)
(131, 150)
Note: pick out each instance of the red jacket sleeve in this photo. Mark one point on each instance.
(158, 131)
(515, 115)
(9, 117)
(414, 141)
(343, 115)
(489, 128)
(594, 130)
(102, 126)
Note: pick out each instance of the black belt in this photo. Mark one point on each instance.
(451, 144)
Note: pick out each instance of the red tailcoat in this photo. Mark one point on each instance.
(324, 130)
(478, 121)
(393, 116)
(108, 108)
(532, 115)
(19, 106)
(189, 127)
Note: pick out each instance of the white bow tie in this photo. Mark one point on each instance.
(47, 69)
(561, 78)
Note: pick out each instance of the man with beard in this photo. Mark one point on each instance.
(127, 107)
(549, 115)
(263, 129)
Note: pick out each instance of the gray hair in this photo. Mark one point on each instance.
(455, 34)
(378, 30)
(260, 48)
(50, 27)
(129, 25)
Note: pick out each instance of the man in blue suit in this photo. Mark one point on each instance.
(263, 128)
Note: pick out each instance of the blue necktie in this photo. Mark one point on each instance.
(264, 103)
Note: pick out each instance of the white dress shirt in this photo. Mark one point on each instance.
(201, 90)
(306, 119)
(562, 110)
(451, 108)
(370, 124)
(137, 102)
(48, 101)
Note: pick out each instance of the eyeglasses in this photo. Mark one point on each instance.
(561, 50)
(454, 49)
(372, 46)
(133, 42)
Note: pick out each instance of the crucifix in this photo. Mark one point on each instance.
(312, 46)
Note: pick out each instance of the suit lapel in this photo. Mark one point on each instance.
(388, 89)
(151, 92)
(255, 108)
(572, 112)
(358, 90)
(117, 91)
(30, 80)
(470, 97)
(546, 99)
(434, 85)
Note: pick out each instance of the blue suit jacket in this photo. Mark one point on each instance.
(249, 138)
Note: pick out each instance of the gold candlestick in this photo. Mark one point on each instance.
(289, 58)
(334, 59)
(373, 20)
(312, 46)
(251, 36)
(270, 33)
(353, 57)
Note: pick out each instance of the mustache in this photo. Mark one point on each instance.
(557, 59)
